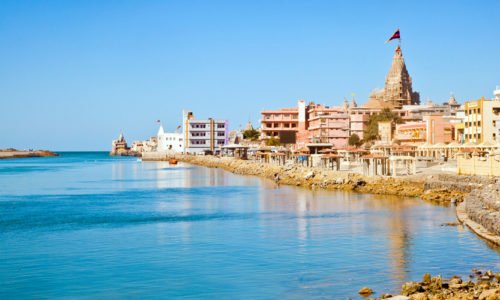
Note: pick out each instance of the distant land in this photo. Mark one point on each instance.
(14, 153)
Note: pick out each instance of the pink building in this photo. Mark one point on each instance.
(438, 130)
(328, 125)
(434, 129)
(276, 123)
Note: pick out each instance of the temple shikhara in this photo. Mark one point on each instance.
(398, 90)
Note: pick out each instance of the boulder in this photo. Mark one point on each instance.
(309, 175)
(426, 278)
(419, 296)
(411, 288)
(490, 294)
(365, 291)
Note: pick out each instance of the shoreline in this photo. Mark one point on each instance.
(434, 188)
(13, 153)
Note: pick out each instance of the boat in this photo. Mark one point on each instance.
(172, 161)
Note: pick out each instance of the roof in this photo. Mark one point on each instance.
(319, 145)
(374, 156)
(235, 146)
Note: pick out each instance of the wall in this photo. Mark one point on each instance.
(479, 166)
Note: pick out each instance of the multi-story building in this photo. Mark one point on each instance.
(202, 136)
(482, 120)
(286, 123)
(328, 125)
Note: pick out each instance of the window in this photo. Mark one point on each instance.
(220, 125)
(198, 142)
(220, 133)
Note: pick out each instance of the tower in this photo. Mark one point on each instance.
(398, 90)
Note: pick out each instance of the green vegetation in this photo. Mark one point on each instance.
(251, 134)
(371, 132)
(354, 140)
(273, 142)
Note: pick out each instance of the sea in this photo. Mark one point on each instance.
(85, 225)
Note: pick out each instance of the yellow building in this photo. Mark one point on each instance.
(482, 120)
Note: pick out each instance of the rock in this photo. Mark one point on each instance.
(419, 296)
(358, 182)
(450, 224)
(497, 276)
(365, 291)
(398, 297)
(385, 296)
(339, 181)
(488, 294)
(455, 281)
(411, 288)
(309, 175)
(427, 278)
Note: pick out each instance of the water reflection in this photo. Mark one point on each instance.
(185, 231)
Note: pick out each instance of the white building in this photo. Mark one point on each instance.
(202, 136)
(169, 141)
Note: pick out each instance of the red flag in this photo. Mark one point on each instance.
(396, 35)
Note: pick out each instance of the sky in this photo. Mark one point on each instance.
(74, 74)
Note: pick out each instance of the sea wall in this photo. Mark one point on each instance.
(482, 206)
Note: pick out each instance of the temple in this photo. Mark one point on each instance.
(398, 87)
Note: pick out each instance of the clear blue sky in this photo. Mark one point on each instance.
(73, 74)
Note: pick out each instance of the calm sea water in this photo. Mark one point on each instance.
(85, 225)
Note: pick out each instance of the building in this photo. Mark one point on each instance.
(203, 136)
(437, 130)
(433, 129)
(328, 125)
(411, 133)
(169, 141)
(398, 90)
(287, 124)
(119, 146)
(482, 120)
(385, 130)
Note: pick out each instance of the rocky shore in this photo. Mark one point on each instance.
(480, 285)
(14, 153)
(436, 188)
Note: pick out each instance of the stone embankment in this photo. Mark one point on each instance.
(479, 285)
(481, 211)
(13, 153)
(436, 188)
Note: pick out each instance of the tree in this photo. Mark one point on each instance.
(354, 140)
(251, 134)
(273, 142)
(371, 131)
